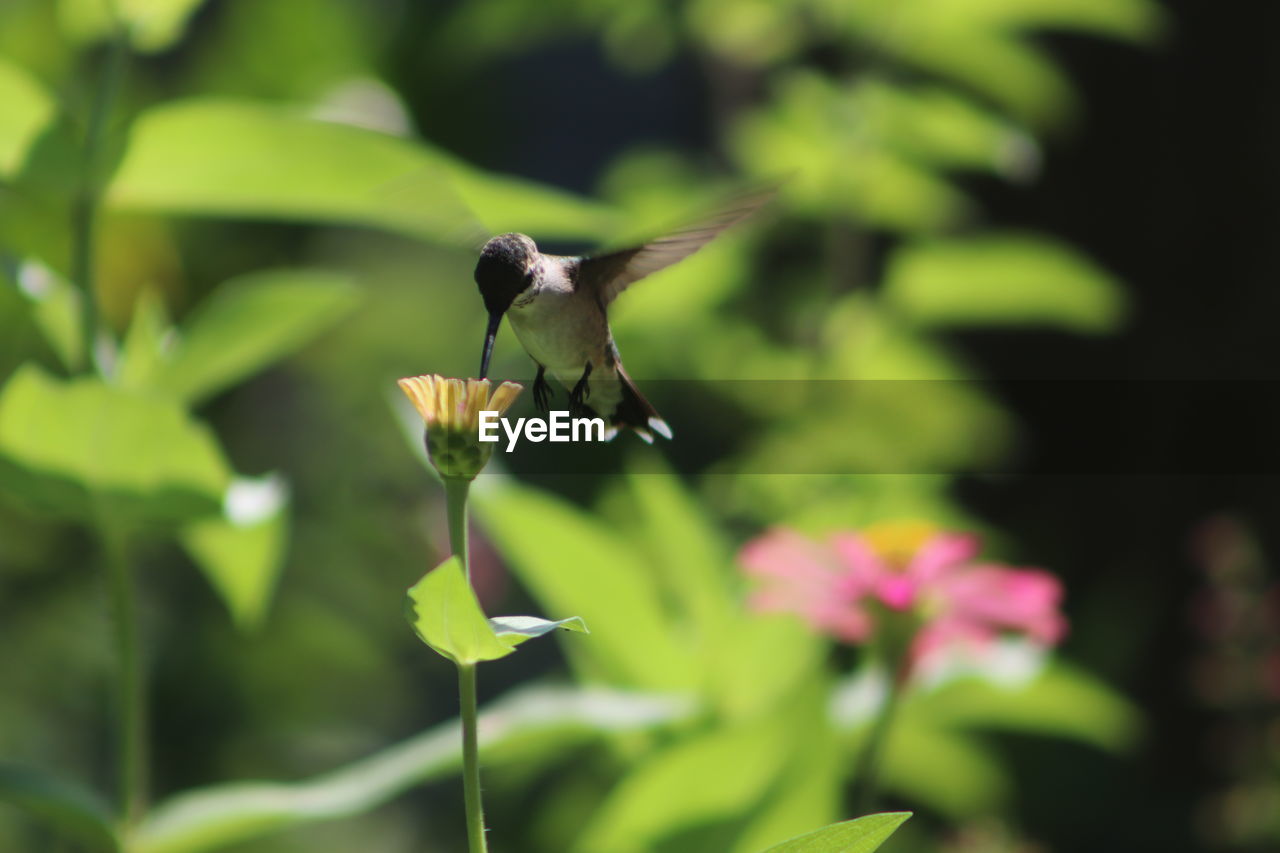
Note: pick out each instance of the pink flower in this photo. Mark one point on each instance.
(911, 568)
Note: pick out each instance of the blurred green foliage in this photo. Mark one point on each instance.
(294, 189)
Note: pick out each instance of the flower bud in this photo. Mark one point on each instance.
(451, 409)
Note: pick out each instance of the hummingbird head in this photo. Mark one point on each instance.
(504, 271)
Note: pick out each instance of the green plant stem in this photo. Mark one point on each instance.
(866, 779)
(88, 198)
(455, 497)
(455, 493)
(131, 712)
(471, 759)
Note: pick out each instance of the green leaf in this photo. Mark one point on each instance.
(810, 790)
(152, 25)
(937, 127)
(147, 346)
(82, 447)
(862, 835)
(248, 323)
(711, 776)
(817, 130)
(226, 157)
(55, 308)
(943, 769)
(688, 551)
(1003, 280)
(573, 563)
(219, 816)
(447, 617)
(27, 109)
(747, 662)
(242, 553)
(1061, 701)
(1134, 19)
(514, 630)
(73, 809)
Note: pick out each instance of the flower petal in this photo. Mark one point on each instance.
(1003, 598)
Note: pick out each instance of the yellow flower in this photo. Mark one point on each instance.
(897, 542)
(451, 409)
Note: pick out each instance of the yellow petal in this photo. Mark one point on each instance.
(503, 396)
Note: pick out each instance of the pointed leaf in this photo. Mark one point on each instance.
(145, 349)
(952, 773)
(1003, 280)
(242, 552)
(514, 630)
(75, 448)
(250, 322)
(1061, 701)
(710, 776)
(852, 836)
(689, 551)
(228, 157)
(573, 563)
(447, 617)
(55, 309)
(75, 810)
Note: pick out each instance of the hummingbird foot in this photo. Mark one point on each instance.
(542, 391)
(581, 391)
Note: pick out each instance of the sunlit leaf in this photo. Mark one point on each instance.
(1134, 19)
(242, 552)
(445, 614)
(1003, 280)
(55, 309)
(945, 770)
(226, 157)
(824, 137)
(248, 323)
(82, 447)
(862, 835)
(573, 563)
(1062, 701)
(686, 548)
(68, 807)
(151, 24)
(994, 62)
(809, 791)
(937, 126)
(144, 352)
(27, 108)
(708, 777)
(220, 816)
(988, 44)
(760, 661)
(514, 630)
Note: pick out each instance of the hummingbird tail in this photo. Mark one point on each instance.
(636, 413)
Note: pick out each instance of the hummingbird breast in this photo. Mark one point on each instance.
(562, 330)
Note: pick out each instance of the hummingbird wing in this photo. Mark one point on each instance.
(609, 274)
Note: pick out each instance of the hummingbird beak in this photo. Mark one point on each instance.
(490, 335)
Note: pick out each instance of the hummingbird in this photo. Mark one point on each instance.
(558, 306)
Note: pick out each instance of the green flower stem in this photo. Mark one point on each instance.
(471, 759)
(88, 198)
(455, 497)
(131, 710)
(455, 492)
(866, 779)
